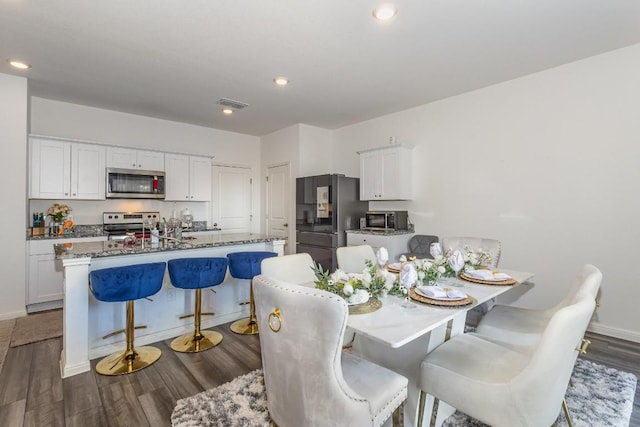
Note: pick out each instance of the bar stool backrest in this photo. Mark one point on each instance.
(246, 265)
(197, 273)
(127, 283)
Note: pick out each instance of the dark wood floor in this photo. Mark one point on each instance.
(33, 394)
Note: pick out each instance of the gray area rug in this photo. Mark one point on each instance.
(600, 397)
(37, 327)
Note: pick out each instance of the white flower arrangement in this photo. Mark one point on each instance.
(356, 288)
(58, 212)
(430, 270)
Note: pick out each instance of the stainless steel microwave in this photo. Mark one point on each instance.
(386, 220)
(134, 184)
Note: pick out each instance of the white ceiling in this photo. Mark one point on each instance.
(173, 59)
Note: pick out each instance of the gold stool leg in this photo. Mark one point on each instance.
(133, 359)
(567, 414)
(248, 326)
(198, 340)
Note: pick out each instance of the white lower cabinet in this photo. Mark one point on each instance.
(396, 244)
(45, 287)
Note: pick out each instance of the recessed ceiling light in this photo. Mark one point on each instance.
(18, 64)
(227, 111)
(281, 81)
(385, 12)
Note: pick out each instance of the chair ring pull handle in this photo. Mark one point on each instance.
(275, 314)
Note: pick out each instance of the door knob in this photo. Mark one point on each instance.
(285, 225)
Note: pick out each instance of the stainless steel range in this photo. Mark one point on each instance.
(118, 224)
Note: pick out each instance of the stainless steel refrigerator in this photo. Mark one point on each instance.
(326, 206)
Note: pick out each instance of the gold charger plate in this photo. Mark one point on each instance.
(440, 303)
(505, 282)
(367, 307)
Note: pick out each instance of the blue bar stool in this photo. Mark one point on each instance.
(197, 273)
(246, 265)
(120, 284)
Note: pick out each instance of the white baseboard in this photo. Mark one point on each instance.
(622, 334)
(44, 306)
(13, 314)
(68, 370)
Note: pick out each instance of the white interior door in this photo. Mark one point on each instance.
(231, 197)
(277, 214)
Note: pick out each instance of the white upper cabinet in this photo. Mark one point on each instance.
(128, 158)
(188, 178)
(66, 170)
(385, 173)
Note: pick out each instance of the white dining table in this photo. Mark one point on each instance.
(399, 338)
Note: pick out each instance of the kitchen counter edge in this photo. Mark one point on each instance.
(109, 248)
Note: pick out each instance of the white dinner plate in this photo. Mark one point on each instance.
(441, 299)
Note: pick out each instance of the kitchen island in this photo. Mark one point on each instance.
(88, 322)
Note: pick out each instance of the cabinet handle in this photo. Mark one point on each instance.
(139, 166)
(134, 165)
(192, 197)
(66, 194)
(186, 197)
(74, 194)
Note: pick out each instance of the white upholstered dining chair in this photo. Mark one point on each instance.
(295, 268)
(309, 380)
(523, 326)
(502, 386)
(352, 258)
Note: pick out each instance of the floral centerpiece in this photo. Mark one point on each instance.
(58, 212)
(443, 264)
(356, 288)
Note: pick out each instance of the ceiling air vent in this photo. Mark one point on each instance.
(236, 105)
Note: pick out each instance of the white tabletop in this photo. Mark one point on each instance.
(395, 326)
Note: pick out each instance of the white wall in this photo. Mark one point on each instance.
(61, 119)
(315, 151)
(279, 148)
(547, 163)
(14, 118)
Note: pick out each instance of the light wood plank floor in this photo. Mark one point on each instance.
(33, 394)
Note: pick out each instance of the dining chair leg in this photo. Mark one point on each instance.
(421, 403)
(567, 414)
(397, 419)
(434, 411)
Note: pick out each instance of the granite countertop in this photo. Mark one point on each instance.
(96, 230)
(115, 248)
(382, 233)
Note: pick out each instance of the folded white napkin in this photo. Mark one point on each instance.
(487, 275)
(437, 292)
(382, 256)
(456, 262)
(408, 275)
(395, 266)
(435, 249)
